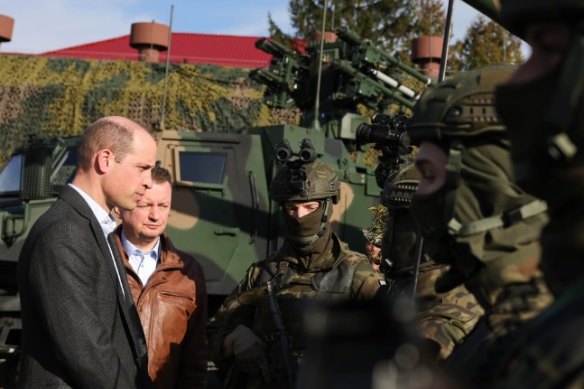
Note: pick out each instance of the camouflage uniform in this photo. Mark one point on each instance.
(479, 222)
(444, 318)
(543, 110)
(312, 265)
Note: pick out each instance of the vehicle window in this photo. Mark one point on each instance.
(10, 176)
(63, 173)
(207, 168)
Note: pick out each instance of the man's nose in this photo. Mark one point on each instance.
(154, 213)
(302, 212)
(147, 181)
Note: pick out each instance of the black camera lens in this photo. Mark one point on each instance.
(307, 152)
(307, 155)
(283, 152)
(385, 131)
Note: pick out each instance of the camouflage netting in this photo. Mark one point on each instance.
(47, 97)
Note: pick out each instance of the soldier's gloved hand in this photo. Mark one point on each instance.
(243, 343)
(248, 350)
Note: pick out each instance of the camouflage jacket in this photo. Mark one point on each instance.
(549, 351)
(443, 318)
(478, 359)
(338, 273)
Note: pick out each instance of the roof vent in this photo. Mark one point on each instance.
(6, 27)
(150, 39)
(426, 52)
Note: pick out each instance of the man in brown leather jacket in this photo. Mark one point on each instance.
(168, 287)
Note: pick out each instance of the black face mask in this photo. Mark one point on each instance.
(305, 227)
(428, 212)
(522, 107)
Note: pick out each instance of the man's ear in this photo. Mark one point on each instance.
(103, 160)
(117, 215)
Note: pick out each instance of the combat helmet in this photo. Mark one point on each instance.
(305, 178)
(461, 107)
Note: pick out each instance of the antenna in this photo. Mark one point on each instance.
(316, 122)
(333, 17)
(446, 38)
(163, 111)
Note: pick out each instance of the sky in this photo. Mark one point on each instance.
(42, 25)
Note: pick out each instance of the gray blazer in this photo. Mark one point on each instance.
(78, 329)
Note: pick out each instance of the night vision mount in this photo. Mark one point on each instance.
(390, 136)
(306, 154)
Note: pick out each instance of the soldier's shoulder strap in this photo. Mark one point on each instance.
(273, 267)
(340, 278)
(504, 220)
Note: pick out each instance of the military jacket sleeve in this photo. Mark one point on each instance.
(366, 281)
(238, 308)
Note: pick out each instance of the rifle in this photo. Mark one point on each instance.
(280, 353)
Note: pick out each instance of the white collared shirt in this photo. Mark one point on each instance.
(106, 222)
(144, 264)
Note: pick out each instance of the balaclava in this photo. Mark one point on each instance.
(304, 181)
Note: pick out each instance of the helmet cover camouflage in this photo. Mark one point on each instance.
(374, 234)
(460, 107)
(298, 181)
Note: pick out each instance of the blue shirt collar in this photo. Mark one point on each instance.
(131, 249)
(106, 221)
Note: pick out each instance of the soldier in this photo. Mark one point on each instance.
(374, 235)
(542, 107)
(312, 264)
(446, 317)
(473, 217)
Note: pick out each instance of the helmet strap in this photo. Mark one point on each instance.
(324, 221)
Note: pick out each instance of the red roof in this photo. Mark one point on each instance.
(223, 50)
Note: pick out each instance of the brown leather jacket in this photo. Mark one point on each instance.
(173, 311)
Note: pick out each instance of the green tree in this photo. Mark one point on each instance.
(277, 34)
(430, 18)
(485, 43)
(389, 24)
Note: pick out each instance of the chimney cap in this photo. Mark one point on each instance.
(6, 27)
(149, 35)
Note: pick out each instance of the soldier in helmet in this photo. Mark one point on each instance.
(473, 217)
(445, 317)
(374, 235)
(312, 264)
(542, 105)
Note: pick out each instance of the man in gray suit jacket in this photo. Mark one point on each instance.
(79, 325)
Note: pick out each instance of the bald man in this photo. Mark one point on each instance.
(80, 328)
